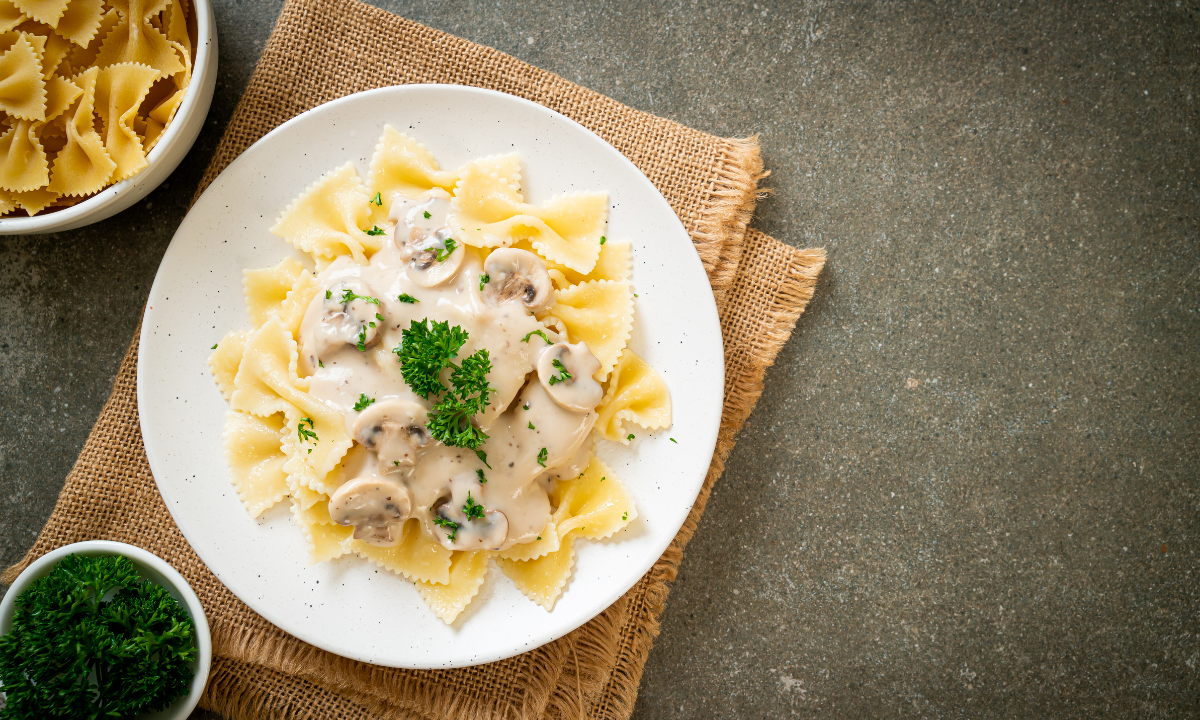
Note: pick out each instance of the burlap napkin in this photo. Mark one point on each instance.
(321, 50)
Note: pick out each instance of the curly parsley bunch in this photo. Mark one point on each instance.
(75, 653)
(427, 348)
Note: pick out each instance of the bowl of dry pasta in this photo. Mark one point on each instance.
(102, 100)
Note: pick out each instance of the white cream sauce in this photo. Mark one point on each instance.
(532, 438)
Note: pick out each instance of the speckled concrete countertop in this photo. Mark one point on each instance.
(970, 489)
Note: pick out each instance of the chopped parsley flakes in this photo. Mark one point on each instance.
(439, 520)
(484, 279)
(375, 230)
(603, 240)
(363, 402)
(214, 347)
(483, 458)
(451, 246)
(541, 458)
(406, 298)
(349, 296)
(377, 200)
(673, 440)
(473, 510)
(479, 472)
(625, 515)
(629, 436)
(306, 434)
(427, 215)
(531, 427)
(562, 376)
(536, 332)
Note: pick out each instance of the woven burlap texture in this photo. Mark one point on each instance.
(339, 47)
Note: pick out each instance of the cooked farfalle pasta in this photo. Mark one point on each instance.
(336, 409)
(87, 88)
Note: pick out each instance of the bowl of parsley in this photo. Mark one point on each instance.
(102, 629)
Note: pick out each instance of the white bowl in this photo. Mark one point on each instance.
(163, 159)
(150, 567)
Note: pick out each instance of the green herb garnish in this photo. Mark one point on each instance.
(629, 436)
(375, 230)
(362, 338)
(484, 279)
(427, 215)
(625, 516)
(535, 332)
(439, 520)
(349, 296)
(673, 440)
(214, 347)
(541, 458)
(406, 298)
(377, 200)
(328, 294)
(71, 653)
(483, 458)
(441, 255)
(563, 375)
(363, 402)
(602, 240)
(473, 510)
(479, 472)
(427, 349)
(306, 435)
(531, 427)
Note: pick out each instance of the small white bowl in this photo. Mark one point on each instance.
(166, 155)
(150, 567)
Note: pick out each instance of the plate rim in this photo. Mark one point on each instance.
(618, 590)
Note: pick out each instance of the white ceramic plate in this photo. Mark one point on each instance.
(345, 606)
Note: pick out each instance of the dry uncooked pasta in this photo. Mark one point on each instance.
(87, 88)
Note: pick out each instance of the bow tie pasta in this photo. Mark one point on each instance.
(427, 388)
(87, 88)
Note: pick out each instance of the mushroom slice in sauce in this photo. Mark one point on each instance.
(426, 244)
(345, 315)
(375, 506)
(517, 276)
(461, 522)
(565, 371)
(395, 430)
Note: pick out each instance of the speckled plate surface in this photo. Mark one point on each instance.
(345, 606)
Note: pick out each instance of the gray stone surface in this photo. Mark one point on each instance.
(970, 489)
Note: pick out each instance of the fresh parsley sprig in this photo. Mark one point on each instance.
(406, 298)
(428, 348)
(93, 640)
(306, 434)
(535, 332)
(363, 402)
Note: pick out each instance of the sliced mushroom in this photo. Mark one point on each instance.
(374, 506)
(565, 371)
(517, 276)
(395, 430)
(427, 244)
(457, 521)
(346, 314)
